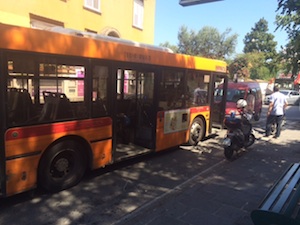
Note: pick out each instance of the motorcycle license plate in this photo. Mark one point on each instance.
(226, 142)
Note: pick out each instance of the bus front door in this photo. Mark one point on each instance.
(218, 103)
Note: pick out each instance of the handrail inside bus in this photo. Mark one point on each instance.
(78, 33)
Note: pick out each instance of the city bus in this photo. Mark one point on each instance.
(75, 101)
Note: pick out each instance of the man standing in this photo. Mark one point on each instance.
(276, 111)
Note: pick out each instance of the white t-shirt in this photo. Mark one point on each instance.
(279, 100)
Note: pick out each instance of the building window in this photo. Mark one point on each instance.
(92, 5)
(39, 22)
(138, 13)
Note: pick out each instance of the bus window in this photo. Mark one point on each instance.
(197, 83)
(99, 96)
(44, 94)
(172, 90)
(20, 89)
(67, 80)
(62, 78)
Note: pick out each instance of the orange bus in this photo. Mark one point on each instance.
(75, 101)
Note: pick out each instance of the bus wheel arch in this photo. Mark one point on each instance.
(63, 164)
(196, 131)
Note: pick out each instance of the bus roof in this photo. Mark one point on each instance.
(92, 46)
(86, 34)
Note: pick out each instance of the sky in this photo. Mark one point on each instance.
(239, 15)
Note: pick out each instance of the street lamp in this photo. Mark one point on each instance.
(195, 2)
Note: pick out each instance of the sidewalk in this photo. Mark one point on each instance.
(226, 193)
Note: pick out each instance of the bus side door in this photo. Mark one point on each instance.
(218, 101)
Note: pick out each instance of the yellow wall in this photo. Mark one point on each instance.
(115, 14)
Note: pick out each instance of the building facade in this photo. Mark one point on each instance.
(128, 19)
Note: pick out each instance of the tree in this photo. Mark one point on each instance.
(188, 43)
(208, 42)
(212, 44)
(256, 66)
(239, 68)
(289, 20)
(250, 66)
(174, 48)
(259, 40)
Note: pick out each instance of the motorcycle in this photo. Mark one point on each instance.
(239, 133)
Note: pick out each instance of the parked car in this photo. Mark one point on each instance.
(292, 97)
(243, 90)
(267, 99)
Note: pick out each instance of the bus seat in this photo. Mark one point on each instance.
(57, 106)
(19, 105)
(99, 108)
(64, 109)
(27, 104)
(12, 104)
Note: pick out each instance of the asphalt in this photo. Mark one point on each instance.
(226, 193)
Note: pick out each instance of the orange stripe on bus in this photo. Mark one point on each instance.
(40, 130)
(200, 109)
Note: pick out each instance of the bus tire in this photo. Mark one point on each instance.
(62, 166)
(196, 132)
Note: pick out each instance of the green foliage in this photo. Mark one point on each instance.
(239, 67)
(290, 57)
(208, 42)
(259, 40)
(213, 44)
(250, 65)
(174, 48)
(188, 43)
(289, 20)
(261, 73)
(260, 51)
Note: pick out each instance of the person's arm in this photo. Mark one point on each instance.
(285, 105)
(270, 108)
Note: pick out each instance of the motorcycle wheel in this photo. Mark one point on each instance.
(250, 141)
(228, 152)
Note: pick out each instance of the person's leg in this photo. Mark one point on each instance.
(278, 125)
(270, 121)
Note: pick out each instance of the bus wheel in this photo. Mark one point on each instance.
(62, 166)
(196, 131)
